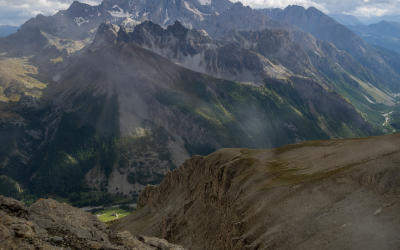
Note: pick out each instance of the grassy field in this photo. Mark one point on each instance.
(106, 215)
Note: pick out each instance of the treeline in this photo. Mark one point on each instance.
(85, 138)
(103, 199)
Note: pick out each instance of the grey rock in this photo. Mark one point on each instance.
(51, 225)
(57, 239)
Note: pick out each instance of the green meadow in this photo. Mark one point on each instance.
(106, 214)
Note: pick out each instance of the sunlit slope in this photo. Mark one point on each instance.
(19, 77)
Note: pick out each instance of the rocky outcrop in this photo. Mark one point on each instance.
(48, 224)
(106, 35)
(336, 194)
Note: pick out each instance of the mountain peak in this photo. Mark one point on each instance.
(295, 8)
(178, 30)
(107, 35)
(76, 5)
(237, 5)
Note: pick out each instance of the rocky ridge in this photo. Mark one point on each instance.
(334, 194)
(48, 224)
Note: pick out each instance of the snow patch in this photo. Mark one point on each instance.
(205, 2)
(369, 100)
(80, 21)
(119, 13)
(166, 19)
(195, 11)
(145, 14)
(387, 118)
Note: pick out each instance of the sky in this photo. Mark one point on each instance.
(16, 12)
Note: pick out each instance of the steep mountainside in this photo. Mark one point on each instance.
(224, 58)
(263, 55)
(336, 194)
(384, 33)
(135, 115)
(327, 29)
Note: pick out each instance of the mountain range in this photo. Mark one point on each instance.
(112, 97)
(384, 33)
(346, 19)
(376, 19)
(6, 30)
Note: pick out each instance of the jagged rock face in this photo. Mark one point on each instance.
(48, 224)
(276, 45)
(313, 195)
(165, 12)
(196, 51)
(259, 55)
(80, 18)
(106, 35)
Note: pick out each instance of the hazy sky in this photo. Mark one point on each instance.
(16, 12)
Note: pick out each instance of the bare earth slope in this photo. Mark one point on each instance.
(336, 194)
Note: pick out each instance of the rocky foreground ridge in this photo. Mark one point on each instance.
(334, 194)
(48, 224)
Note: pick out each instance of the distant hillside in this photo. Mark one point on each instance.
(346, 19)
(6, 30)
(376, 19)
(384, 33)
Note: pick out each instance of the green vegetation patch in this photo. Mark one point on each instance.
(86, 137)
(107, 214)
(241, 115)
(10, 188)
